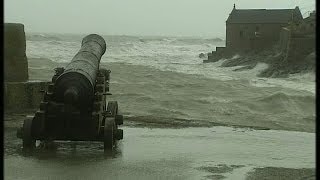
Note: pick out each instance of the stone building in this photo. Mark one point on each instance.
(307, 26)
(297, 42)
(250, 30)
(255, 29)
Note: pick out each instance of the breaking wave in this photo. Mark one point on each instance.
(42, 37)
(164, 78)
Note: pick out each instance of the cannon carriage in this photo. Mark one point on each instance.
(74, 106)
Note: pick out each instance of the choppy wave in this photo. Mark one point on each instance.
(282, 102)
(165, 53)
(42, 37)
(164, 77)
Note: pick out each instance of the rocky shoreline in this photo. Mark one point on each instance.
(278, 65)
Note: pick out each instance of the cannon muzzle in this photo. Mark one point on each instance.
(76, 84)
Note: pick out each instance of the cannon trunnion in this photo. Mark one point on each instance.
(74, 107)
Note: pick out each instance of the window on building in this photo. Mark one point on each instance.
(241, 33)
(257, 28)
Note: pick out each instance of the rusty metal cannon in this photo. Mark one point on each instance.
(74, 106)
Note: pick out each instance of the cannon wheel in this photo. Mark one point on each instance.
(112, 108)
(27, 141)
(110, 127)
(109, 134)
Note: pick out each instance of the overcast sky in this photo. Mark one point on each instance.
(135, 17)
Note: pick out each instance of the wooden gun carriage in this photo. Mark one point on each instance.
(74, 106)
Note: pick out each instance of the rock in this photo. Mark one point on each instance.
(244, 68)
(310, 59)
(202, 55)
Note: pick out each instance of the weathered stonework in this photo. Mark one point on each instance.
(21, 96)
(15, 59)
(254, 30)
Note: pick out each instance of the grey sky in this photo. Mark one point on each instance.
(135, 17)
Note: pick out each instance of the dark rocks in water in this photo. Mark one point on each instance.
(280, 66)
(248, 67)
(15, 59)
(265, 74)
(202, 55)
(311, 60)
(293, 67)
(211, 59)
(280, 74)
(240, 61)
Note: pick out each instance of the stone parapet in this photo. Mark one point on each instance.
(21, 96)
(15, 59)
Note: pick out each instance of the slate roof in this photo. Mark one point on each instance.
(263, 15)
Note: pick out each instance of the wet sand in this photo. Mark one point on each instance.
(161, 153)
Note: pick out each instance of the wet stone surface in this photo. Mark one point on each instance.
(160, 153)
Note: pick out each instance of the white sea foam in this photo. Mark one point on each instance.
(159, 78)
(168, 54)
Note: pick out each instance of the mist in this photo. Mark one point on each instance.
(140, 17)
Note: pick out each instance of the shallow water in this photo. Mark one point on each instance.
(189, 153)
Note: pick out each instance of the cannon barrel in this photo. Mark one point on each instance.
(74, 107)
(76, 84)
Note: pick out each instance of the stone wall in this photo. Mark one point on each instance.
(15, 59)
(285, 36)
(295, 44)
(243, 37)
(300, 48)
(21, 96)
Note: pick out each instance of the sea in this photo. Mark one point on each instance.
(162, 79)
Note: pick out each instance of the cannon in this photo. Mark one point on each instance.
(74, 105)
